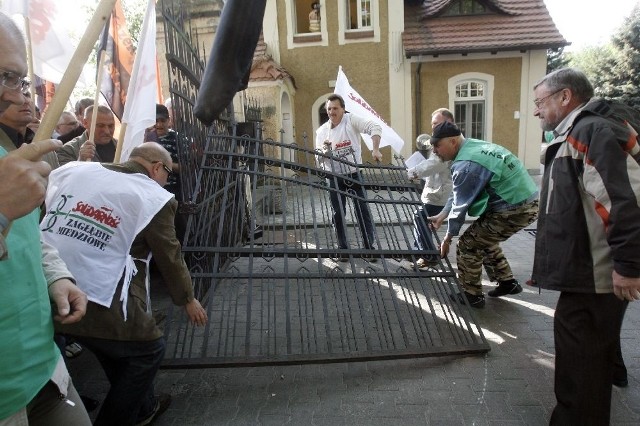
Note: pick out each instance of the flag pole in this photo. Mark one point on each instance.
(123, 131)
(71, 75)
(94, 113)
(27, 30)
(133, 85)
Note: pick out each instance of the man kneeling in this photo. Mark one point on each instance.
(107, 220)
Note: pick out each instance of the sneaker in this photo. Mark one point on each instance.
(163, 401)
(474, 301)
(89, 403)
(506, 287)
(621, 382)
(424, 263)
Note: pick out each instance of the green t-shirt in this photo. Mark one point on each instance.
(28, 354)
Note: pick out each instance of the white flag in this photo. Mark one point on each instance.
(140, 106)
(51, 47)
(354, 103)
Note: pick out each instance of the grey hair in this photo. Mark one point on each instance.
(568, 78)
(10, 30)
(448, 115)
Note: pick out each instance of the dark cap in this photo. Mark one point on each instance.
(162, 111)
(444, 130)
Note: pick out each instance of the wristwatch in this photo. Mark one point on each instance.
(3, 248)
(4, 224)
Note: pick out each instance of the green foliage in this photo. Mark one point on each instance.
(556, 59)
(614, 68)
(596, 62)
(134, 14)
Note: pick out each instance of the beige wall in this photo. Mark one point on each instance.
(506, 93)
(313, 67)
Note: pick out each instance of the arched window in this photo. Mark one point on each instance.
(470, 107)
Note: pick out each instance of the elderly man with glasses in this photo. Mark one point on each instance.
(35, 387)
(587, 242)
(66, 123)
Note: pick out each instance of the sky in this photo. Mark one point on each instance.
(585, 23)
(582, 22)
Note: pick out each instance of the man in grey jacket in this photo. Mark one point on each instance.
(588, 240)
(100, 147)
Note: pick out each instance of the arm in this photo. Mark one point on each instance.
(70, 301)
(469, 180)
(23, 178)
(160, 236)
(610, 178)
(429, 167)
(69, 152)
(322, 147)
(370, 128)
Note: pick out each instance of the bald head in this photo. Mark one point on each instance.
(13, 62)
(155, 159)
(151, 151)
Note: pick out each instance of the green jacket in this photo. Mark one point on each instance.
(510, 180)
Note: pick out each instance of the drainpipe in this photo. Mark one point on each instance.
(418, 109)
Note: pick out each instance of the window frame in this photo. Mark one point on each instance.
(367, 34)
(488, 83)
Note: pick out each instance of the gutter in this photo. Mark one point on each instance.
(418, 109)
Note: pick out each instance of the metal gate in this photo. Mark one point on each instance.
(264, 258)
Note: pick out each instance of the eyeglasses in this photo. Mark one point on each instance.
(539, 102)
(13, 81)
(71, 123)
(164, 166)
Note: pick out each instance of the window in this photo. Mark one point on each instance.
(470, 107)
(466, 7)
(359, 14)
(305, 22)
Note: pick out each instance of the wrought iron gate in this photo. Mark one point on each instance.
(264, 259)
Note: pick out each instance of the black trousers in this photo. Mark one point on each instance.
(587, 339)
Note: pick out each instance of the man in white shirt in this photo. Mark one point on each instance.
(339, 142)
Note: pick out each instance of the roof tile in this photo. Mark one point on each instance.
(514, 25)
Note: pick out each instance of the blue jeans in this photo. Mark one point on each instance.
(131, 368)
(423, 239)
(350, 184)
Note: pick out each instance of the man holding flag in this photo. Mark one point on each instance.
(339, 142)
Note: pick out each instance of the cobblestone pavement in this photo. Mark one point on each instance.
(510, 385)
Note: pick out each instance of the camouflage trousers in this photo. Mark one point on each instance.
(480, 245)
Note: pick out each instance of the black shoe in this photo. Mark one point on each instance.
(474, 301)
(163, 401)
(621, 382)
(506, 287)
(90, 404)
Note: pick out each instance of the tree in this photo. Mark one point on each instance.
(556, 59)
(596, 62)
(623, 75)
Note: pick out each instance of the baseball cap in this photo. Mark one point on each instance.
(162, 111)
(444, 130)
